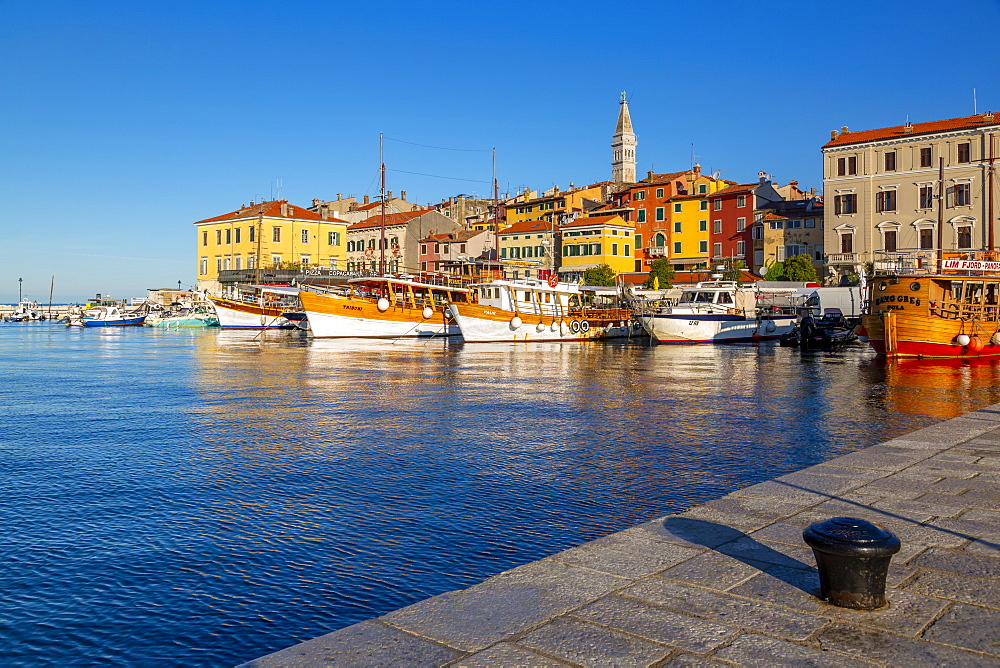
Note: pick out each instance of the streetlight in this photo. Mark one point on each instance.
(178, 286)
(19, 281)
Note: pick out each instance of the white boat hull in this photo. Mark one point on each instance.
(537, 328)
(248, 317)
(713, 328)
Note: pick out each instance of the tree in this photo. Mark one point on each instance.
(661, 270)
(775, 271)
(800, 268)
(600, 275)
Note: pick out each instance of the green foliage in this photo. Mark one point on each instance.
(775, 271)
(662, 270)
(800, 268)
(600, 275)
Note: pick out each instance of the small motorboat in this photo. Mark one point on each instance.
(110, 316)
(26, 311)
(831, 330)
(198, 316)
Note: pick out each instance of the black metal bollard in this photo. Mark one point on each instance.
(853, 560)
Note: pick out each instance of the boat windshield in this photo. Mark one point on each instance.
(697, 297)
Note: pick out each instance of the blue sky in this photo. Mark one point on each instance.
(125, 122)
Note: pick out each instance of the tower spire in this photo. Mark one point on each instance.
(623, 146)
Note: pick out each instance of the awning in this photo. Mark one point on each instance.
(577, 267)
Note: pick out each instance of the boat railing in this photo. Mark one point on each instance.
(936, 261)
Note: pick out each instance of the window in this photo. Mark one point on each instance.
(845, 204)
(253, 233)
(716, 227)
(371, 244)
(627, 250)
(741, 200)
(965, 236)
(638, 241)
(659, 213)
(889, 160)
(741, 224)
(333, 238)
(925, 157)
(229, 237)
(218, 264)
(703, 226)
(305, 261)
(716, 204)
(677, 247)
(758, 232)
(251, 261)
(702, 246)
(640, 216)
(962, 196)
(777, 224)
(218, 237)
(847, 242)
(276, 260)
(716, 250)
(702, 189)
(794, 225)
(964, 152)
(614, 249)
(677, 226)
(659, 193)
(660, 240)
(847, 166)
(203, 268)
(741, 247)
(640, 194)
(926, 197)
(276, 234)
(437, 249)
(461, 248)
(238, 230)
(595, 249)
(703, 204)
(926, 238)
(239, 261)
(305, 236)
(503, 253)
(885, 200)
(677, 207)
(204, 239)
(889, 240)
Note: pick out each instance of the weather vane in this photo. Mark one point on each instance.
(623, 96)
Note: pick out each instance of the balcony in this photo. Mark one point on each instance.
(843, 258)
(657, 251)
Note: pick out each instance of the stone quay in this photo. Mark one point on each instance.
(731, 581)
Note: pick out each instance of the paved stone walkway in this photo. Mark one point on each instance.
(731, 582)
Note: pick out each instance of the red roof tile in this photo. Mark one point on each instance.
(270, 210)
(529, 226)
(401, 218)
(596, 220)
(734, 189)
(963, 123)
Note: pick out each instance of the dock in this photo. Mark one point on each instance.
(731, 582)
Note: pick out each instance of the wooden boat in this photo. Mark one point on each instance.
(382, 307)
(934, 304)
(536, 310)
(717, 312)
(256, 307)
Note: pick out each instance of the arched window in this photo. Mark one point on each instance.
(660, 240)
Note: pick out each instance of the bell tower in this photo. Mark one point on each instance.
(623, 147)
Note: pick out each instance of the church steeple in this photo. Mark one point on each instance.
(623, 147)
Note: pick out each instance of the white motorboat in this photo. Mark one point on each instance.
(716, 312)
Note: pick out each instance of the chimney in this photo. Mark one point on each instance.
(324, 212)
(316, 201)
(366, 199)
(402, 195)
(794, 184)
(339, 197)
(843, 129)
(833, 135)
(908, 128)
(649, 175)
(762, 176)
(388, 195)
(697, 170)
(284, 209)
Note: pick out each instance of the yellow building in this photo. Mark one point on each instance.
(689, 232)
(526, 248)
(272, 234)
(554, 203)
(595, 240)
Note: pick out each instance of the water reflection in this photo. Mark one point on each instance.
(274, 487)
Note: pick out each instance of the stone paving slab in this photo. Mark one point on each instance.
(730, 582)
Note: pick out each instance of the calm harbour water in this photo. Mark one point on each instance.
(204, 498)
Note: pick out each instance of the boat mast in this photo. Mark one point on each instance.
(989, 191)
(381, 268)
(940, 216)
(496, 212)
